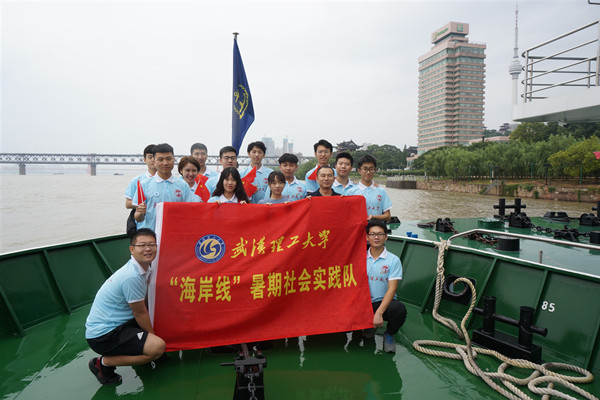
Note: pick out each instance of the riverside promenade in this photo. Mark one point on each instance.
(534, 190)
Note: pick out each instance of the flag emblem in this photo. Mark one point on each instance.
(210, 249)
(240, 101)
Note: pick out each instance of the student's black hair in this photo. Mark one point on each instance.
(275, 174)
(142, 232)
(198, 146)
(163, 148)
(258, 144)
(187, 160)
(325, 143)
(289, 158)
(240, 192)
(149, 150)
(367, 159)
(375, 222)
(325, 167)
(227, 149)
(345, 155)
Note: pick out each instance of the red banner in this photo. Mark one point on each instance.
(231, 273)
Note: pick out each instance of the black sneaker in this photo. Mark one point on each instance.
(105, 375)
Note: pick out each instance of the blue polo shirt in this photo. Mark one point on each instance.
(386, 268)
(158, 190)
(132, 187)
(291, 192)
(129, 284)
(194, 198)
(261, 182)
(211, 183)
(377, 198)
(341, 189)
(210, 173)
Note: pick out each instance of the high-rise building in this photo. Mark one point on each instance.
(270, 145)
(284, 149)
(451, 89)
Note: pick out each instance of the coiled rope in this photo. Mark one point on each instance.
(540, 374)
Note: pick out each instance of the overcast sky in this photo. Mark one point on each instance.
(111, 77)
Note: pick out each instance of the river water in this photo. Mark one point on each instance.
(41, 210)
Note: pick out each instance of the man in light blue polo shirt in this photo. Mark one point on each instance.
(294, 189)
(132, 187)
(200, 153)
(256, 152)
(343, 167)
(118, 326)
(384, 271)
(378, 201)
(162, 187)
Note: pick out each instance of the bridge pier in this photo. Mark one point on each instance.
(93, 169)
(22, 169)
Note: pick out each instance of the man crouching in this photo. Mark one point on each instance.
(118, 326)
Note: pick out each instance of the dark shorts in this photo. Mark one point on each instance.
(125, 340)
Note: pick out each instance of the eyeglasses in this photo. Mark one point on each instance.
(144, 245)
(229, 158)
(377, 234)
(368, 169)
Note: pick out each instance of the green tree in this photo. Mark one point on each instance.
(580, 156)
(530, 132)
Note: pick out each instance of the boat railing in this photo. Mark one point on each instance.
(568, 53)
(527, 237)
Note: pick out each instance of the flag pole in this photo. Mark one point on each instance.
(235, 35)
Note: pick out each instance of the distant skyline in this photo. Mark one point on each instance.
(110, 77)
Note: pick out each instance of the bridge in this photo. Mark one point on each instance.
(22, 159)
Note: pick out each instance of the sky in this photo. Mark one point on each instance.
(112, 76)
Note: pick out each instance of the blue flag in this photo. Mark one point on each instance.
(243, 110)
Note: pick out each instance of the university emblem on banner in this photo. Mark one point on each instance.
(240, 101)
(210, 249)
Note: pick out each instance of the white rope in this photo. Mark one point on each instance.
(439, 286)
(540, 373)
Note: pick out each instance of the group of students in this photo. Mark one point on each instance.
(118, 326)
(158, 184)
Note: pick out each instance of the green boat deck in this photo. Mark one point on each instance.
(328, 367)
(45, 296)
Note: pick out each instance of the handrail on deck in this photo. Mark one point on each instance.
(534, 77)
(527, 237)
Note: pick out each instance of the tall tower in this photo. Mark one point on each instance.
(451, 89)
(285, 145)
(515, 66)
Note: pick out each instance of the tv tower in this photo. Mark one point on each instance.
(515, 66)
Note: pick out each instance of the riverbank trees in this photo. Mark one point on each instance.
(558, 156)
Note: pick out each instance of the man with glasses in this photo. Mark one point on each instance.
(378, 201)
(118, 326)
(384, 271)
(227, 158)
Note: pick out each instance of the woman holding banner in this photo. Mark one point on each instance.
(230, 188)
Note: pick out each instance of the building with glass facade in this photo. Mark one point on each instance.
(451, 89)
